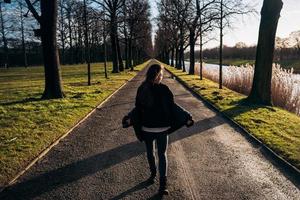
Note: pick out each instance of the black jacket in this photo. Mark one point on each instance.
(177, 116)
(154, 102)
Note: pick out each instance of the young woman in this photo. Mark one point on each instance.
(154, 102)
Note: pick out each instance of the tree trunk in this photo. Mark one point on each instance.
(4, 39)
(261, 87)
(172, 57)
(23, 37)
(136, 56)
(221, 49)
(201, 56)
(180, 56)
(183, 63)
(76, 53)
(62, 33)
(126, 54)
(120, 59)
(104, 49)
(201, 48)
(127, 66)
(130, 53)
(87, 44)
(167, 57)
(181, 51)
(70, 39)
(177, 58)
(114, 50)
(53, 88)
(192, 52)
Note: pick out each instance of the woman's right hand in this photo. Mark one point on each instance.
(190, 123)
(126, 122)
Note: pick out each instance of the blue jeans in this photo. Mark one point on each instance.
(162, 144)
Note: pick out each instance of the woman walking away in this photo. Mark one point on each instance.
(154, 111)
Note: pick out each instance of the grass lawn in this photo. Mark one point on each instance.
(275, 127)
(28, 124)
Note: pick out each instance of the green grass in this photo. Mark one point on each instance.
(291, 64)
(28, 124)
(236, 62)
(275, 127)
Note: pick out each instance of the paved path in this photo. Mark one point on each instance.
(101, 160)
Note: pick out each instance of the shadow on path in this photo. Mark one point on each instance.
(51, 180)
(138, 187)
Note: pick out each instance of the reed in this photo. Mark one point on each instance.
(285, 84)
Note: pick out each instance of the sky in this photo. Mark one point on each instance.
(246, 28)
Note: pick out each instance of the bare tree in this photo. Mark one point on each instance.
(87, 43)
(206, 20)
(228, 9)
(48, 22)
(195, 21)
(104, 46)
(137, 14)
(113, 9)
(21, 8)
(175, 11)
(4, 34)
(62, 30)
(132, 12)
(69, 10)
(261, 88)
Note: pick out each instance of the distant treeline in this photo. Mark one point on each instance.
(247, 53)
(34, 55)
(76, 55)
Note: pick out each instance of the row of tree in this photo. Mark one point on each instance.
(82, 28)
(119, 19)
(181, 22)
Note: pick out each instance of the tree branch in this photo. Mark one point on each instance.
(33, 11)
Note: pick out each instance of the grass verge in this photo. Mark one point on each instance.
(28, 124)
(275, 127)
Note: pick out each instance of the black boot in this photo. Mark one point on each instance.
(163, 186)
(151, 179)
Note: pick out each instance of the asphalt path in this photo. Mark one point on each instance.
(101, 160)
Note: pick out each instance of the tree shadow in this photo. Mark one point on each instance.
(26, 100)
(80, 84)
(242, 106)
(48, 181)
(117, 104)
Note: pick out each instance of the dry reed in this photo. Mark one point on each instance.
(285, 84)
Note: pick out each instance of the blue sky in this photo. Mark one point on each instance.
(246, 28)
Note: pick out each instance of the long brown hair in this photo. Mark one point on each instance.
(146, 96)
(153, 72)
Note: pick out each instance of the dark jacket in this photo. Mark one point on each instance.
(154, 102)
(172, 114)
